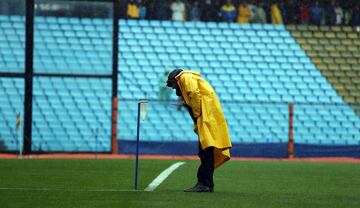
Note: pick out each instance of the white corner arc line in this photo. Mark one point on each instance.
(65, 189)
(163, 175)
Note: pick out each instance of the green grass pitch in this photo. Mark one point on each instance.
(103, 183)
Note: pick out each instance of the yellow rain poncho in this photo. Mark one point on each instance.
(211, 124)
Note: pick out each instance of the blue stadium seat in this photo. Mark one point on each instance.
(263, 61)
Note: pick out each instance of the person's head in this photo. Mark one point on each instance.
(172, 82)
(274, 3)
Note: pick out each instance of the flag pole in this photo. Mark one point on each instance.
(137, 147)
(142, 111)
(96, 142)
(18, 130)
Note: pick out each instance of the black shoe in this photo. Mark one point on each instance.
(199, 188)
(211, 189)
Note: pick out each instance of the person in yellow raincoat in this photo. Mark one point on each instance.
(244, 13)
(133, 10)
(276, 17)
(209, 124)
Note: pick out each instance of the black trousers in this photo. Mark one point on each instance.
(206, 170)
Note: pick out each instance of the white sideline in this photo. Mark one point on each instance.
(163, 175)
(65, 190)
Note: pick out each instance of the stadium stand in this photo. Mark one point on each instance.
(11, 103)
(255, 69)
(12, 39)
(71, 114)
(276, 69)
(336, 52)
(72, 45)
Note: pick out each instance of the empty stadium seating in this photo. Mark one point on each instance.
(71, 114)
(12, 39)
(336, 53)
(72, 45)
(11, 103)
(255, 69)
(249, 66)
